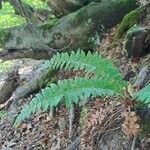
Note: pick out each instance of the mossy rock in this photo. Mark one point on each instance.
(137, 35)
(48, 24)
(4, 35)
(128, 21)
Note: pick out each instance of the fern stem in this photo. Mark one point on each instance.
(52, 112)
(71, 119)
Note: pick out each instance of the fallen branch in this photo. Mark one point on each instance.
(74, 145)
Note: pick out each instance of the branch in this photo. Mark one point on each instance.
(75, 144)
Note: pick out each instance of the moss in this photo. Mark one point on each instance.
(133, 30)
(48, 24)
(128, 21)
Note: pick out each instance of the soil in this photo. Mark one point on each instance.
(43, 132)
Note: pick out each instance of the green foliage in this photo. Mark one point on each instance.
(8, 18)
(70, 90)
(48, 24)
(5, 65)
(90, 63)
(128, 21)
(36, 3)
(133, 30)
(101, 79)
(143, 95)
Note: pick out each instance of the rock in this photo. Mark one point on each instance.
(115, 140)
(137, 42)
(143, 77)
(8, 84)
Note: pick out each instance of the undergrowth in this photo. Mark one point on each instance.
(101, 79)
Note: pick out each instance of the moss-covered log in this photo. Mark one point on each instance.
(76, 30)
(61, 8)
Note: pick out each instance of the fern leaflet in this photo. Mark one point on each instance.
(143, 95)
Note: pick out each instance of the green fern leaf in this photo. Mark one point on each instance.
(90, 63)
(106, 81)
(71, 90)
(143, 95)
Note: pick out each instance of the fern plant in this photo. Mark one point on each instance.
(101, 79)
(105, 80)
(90, 63)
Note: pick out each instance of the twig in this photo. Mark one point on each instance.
(134, 142)
(74, 145)
(71, 118)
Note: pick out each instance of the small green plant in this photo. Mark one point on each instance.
(101, 79)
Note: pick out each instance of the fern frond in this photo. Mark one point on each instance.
(90, 63)
(143, 95)
(71, 90)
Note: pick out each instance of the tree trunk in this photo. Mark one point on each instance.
(76, 30)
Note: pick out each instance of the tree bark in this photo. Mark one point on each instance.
(76, 30)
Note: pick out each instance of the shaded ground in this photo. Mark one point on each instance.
(41, 132)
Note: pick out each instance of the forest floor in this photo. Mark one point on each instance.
(41, 132)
